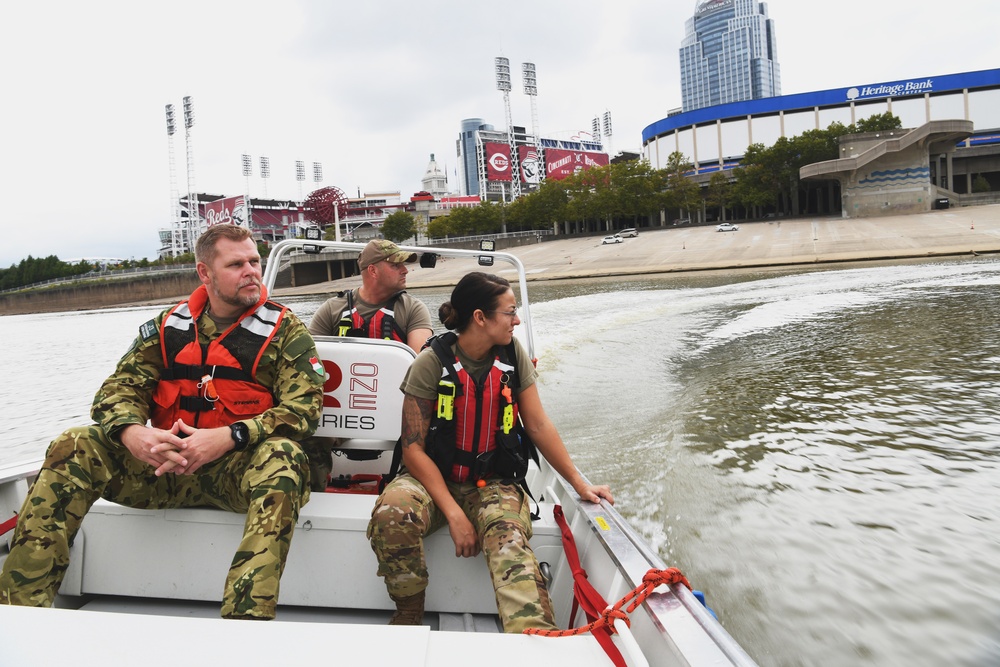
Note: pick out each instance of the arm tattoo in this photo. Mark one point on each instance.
(416, 420)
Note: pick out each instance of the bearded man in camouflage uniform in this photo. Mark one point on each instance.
(230, 382)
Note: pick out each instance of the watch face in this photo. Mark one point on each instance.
(241, 434)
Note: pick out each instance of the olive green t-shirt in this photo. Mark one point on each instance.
(409, 313)
(422, 378)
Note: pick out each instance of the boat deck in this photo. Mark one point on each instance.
(97, 638)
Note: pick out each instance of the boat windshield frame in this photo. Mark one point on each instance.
(316, 248)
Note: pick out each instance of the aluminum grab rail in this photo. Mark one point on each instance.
(273, 265)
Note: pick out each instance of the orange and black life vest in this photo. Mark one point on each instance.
(214, 384)
(475, 432)
(382, 323)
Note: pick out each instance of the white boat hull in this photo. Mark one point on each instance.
(161, 572)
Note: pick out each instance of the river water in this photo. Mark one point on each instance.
(817, 450)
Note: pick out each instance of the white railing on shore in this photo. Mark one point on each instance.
(480, 237)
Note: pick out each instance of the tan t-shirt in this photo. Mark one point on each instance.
(409, 313)
(422, 378)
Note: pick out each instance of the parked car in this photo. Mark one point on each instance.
(628, 233)
(727, 227)
(614, 238)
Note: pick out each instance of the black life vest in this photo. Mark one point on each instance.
(381, 324)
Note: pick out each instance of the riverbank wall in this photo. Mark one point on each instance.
(968, 231)
(106, 293)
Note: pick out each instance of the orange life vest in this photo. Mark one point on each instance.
(213, 385)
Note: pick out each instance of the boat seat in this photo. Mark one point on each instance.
(185, 553)
(362, 403)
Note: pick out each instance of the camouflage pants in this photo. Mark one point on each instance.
(319, 450)
(404, 514)
(269, 483)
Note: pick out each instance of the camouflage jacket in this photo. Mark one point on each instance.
(289, 367)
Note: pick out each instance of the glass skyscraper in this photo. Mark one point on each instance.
(465, 148)
(729, 54)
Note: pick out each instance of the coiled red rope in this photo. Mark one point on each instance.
(585, 596)
(607, 617)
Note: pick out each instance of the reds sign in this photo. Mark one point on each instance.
(497, 161)
(231, 210)
(560, 163)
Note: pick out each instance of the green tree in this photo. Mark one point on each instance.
(548, 205)
(980, 184)
(581, 199)
(719, 192)
(879, 123)
(399, 226)
(33, 270)
(681, 192)
(755, 186)
(639, 190)
(439, 228)
(487, 218)
(538, 210)
(459, 221)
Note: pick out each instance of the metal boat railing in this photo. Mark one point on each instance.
(523, 310)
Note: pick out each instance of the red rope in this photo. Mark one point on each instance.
(606, 619)
(8, 524)
(602, 616)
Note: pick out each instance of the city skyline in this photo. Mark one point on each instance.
(367, 91)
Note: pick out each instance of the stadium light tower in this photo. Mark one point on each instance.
(528, 75)
(175, 198)
(265, 172)
(607, 129)
(247, 173)
(194, 214)
(502, 68)
(300, 175)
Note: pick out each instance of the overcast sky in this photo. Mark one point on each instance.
(370, 89)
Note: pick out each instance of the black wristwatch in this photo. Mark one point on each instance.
(241, 435)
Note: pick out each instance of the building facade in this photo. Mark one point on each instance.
(717, 137)
(486, 160)
(729, 54)
(435, 180)
(467, 154)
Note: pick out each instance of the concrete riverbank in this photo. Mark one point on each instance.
(771, 243)
(757, 245)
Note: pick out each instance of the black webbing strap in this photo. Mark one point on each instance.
(196, 404)
(193, 372)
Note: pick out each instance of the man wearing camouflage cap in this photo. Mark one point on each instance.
(380, 308)
(229, 382)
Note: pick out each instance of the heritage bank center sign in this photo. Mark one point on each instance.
(894, 89)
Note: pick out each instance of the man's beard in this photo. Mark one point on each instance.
(243, 301)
